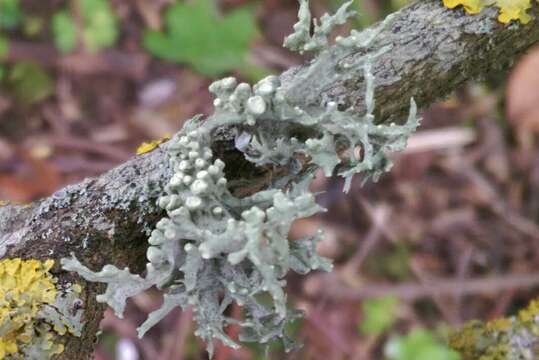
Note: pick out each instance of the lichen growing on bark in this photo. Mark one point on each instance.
(509, 9)
(148, 146)
(215, 248)
(512, 338)
(34, 310)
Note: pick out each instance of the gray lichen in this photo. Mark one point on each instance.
(65, 314)
(213, 248)
(302, 40)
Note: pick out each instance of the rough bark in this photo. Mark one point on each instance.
(104, 220)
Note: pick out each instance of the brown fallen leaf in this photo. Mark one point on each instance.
(38, 178)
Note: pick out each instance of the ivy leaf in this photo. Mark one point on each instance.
(379, 315)
(419, 345)
(10, 14)
(4, 46)
(65, 31)
(100, 24)
(99, 27)
(30, 83)
(196, 35)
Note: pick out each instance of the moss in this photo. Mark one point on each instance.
(30, 300)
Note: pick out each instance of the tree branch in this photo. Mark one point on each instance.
(104, 219)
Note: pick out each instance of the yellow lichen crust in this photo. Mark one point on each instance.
(28, 310)
(509, 9)
(510, 338)
(471, 6)
(146, 147)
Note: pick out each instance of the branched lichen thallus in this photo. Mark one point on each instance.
(213, 248)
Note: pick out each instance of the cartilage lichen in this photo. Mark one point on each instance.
(34, 310)
(214, 248)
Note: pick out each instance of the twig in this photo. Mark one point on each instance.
(494, 200)
(439, 287)
(378, 216)
(439, 139)
(174, 350)
(125, 328)
(110, 152)
(113, 62)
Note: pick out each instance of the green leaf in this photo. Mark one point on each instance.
(30, 83)
(394, 263)
(65, 31)
(100, 24)
(10, 14)
(419, 345)
(4, 46)
(99, 27)
(379, 315)
(196, 35)
(33, 26)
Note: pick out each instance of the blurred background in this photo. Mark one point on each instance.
(84, 82)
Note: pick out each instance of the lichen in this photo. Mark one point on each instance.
(509, 9)
(148, 146)
(215, 248)
(511, 338)
(34, 310)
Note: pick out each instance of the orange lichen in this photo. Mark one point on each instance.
(509, 9)
(501, 324)
(471, 6)
(146, 147)
(25, 287)
(500, 338)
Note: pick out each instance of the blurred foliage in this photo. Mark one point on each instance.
(393, 263)
(4, 46)
(419, 345)
(33, 25)
(10, 14)
(99, 26)
(370, 11)
(264, 351)
(198, 36)
(378, 315)
(65, 31)
(108, 340)
(364, 18)
(397, 4)
(29, 83)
